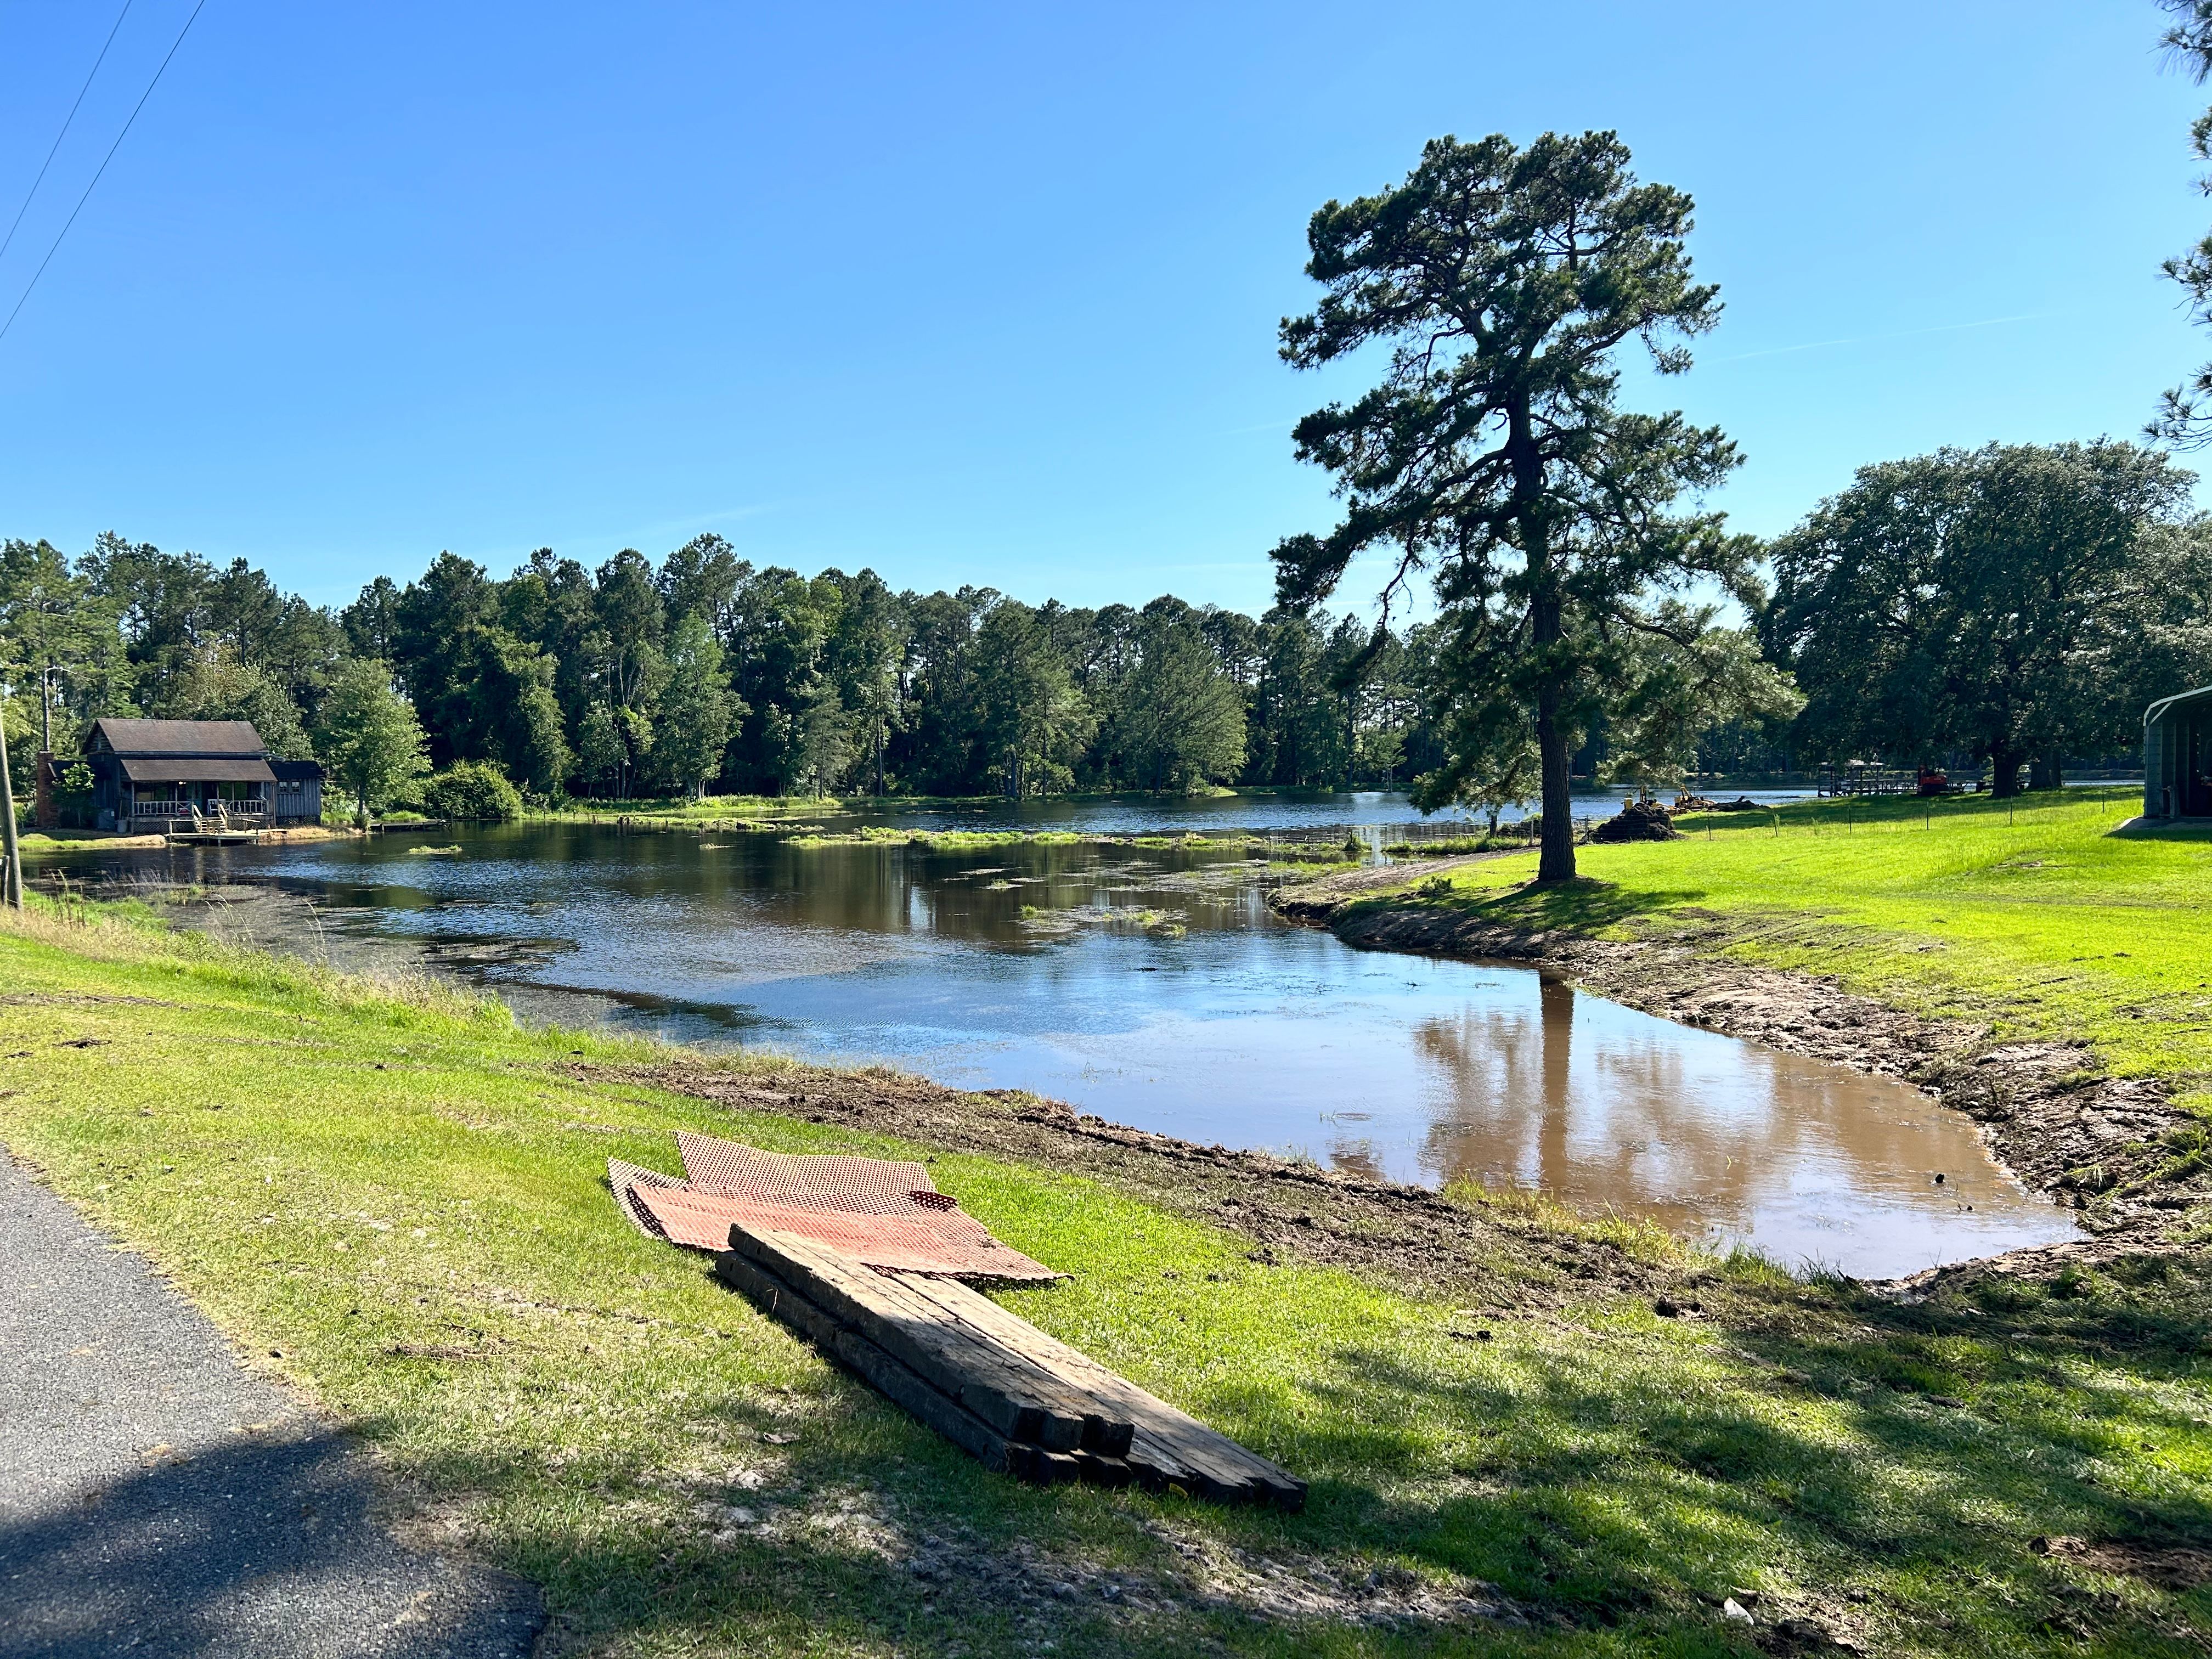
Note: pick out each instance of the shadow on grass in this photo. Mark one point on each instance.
(2170, 829)
(1896, 1450)
(1582, 905)
(1854, 1459)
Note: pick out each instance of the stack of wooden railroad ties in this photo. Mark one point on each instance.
(867, 1260)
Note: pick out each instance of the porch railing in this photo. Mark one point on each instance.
(178, 818)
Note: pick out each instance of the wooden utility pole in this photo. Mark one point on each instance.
(11, 887)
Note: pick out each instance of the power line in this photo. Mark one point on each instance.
(6, 242)
(104, 159)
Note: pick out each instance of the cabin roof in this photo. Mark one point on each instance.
(207, 739)
(194, 769)
(297, 771)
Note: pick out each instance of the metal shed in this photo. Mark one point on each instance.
(2177, 757)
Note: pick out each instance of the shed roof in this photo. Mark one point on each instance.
(204, 738)
(2166, 706)
(193, 769)
(297, 771)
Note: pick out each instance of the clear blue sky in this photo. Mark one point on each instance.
(990, 295)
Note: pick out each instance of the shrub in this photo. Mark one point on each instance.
(472, 789)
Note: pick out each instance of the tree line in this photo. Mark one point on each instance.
(2011, 606)
(703, 673)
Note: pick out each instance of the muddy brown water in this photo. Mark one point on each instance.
(1154, 987)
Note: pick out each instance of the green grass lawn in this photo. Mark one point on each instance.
(2034, 916)
(401, 1194)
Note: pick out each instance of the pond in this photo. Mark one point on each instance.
(1154, 987)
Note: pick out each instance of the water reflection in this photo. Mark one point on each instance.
(1151, 986)
(1601, 1107)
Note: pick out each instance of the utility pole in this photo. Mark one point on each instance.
(11, 887)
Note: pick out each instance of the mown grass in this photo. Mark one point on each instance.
(400, 1193)
(2033, 916)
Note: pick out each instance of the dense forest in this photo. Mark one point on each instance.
(2015, 605)
(705, 673)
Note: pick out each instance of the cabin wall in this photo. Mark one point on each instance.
(299, 800)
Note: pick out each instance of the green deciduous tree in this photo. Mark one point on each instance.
(600, 750)
(473, 792)
(862, 655)
(1686, 678)
(1967, 600)
(1493, 453)
(781, 627)
(819, 751)
(370, 739)
(1181, 720)
(220, 686)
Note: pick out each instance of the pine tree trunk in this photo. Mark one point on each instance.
(1556, 862)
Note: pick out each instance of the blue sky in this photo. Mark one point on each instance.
(977, 294)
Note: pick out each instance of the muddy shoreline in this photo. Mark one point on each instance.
(1501, 1261)
(2049, 1110)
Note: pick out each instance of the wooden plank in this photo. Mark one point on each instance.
(1168, 1447)
(999, 1363)
(1022, 1401)
(1101, 1471)
(1105, 1431)
(895, 1382)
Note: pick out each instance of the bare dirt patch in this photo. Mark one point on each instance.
(2169, 1566)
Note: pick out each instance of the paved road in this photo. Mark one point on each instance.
(141, 1514)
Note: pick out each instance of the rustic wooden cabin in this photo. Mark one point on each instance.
(160, 775)
(2177, 757)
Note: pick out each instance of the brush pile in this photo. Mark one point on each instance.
(1637, 820)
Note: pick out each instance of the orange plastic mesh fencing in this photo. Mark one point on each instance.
(625, 1178)
(884, 1214)
(936, 1242)
(837, 1182)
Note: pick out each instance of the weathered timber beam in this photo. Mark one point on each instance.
(1170, 1447)
(895, 1382)
(1022, 1401)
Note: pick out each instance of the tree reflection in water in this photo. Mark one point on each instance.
(1602, 1108)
